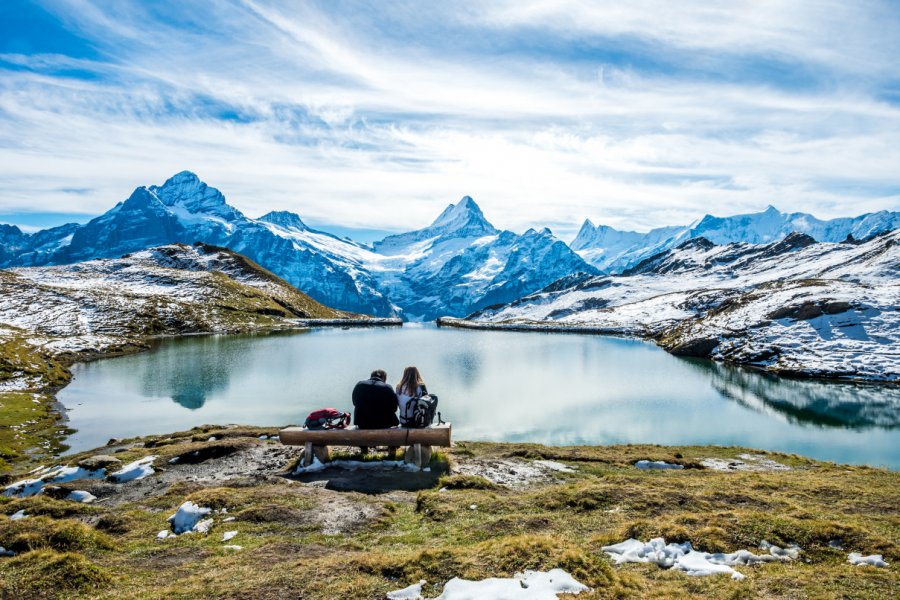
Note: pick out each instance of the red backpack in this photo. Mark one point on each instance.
(327, 418)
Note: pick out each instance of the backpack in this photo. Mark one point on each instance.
(420, 411)
(327, 418)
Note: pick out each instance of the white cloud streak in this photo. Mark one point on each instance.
(346, 122)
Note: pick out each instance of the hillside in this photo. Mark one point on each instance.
(795, 306)
(167, 290)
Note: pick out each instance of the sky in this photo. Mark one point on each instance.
(372, 117)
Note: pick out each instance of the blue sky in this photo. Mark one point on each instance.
(374, 116)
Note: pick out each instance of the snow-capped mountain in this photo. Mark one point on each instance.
(186, 210)
(461, 263)
(456, 265)
(616, 251)
(795, 305)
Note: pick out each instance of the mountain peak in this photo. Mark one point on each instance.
(285, 219)
(464, 214)
(772, 210)
(182, 178)
(186, 190)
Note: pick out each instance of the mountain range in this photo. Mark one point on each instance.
(793, 306)
(457, 265)
(615, 251)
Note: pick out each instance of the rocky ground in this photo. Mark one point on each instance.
(482, 510)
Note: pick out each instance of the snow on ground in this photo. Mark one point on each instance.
(228, 535)
(81, 496)
(17, 515)
(412, 592)
(188, 518)
(693, 562)
(530, 585)
(5, 552)
(135, 470)
(656, 464)
(31, 487)
(875, 560)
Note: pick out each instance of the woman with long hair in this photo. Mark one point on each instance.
(411, 386)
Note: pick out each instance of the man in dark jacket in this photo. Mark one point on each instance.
(375, 404)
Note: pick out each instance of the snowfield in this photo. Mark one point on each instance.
(795, 306)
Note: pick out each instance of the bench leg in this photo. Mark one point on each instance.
(418, 454)
(307, 454)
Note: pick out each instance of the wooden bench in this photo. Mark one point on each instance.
(418, 441)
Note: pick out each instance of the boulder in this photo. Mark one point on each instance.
(100, 461)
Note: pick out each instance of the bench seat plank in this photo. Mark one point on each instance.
(436, 435)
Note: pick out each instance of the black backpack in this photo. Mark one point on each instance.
(421, 410)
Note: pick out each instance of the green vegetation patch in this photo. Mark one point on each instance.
(48, 574)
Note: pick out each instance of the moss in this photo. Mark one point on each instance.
(40, 532)
(43, 505)
(48, 574)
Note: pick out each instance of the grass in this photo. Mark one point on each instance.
(29, 425)
(468, 527)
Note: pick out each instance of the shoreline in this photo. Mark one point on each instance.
(545, 327)
(63, 362)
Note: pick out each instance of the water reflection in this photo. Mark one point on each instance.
(189, 381)
(824, 404)
(545, 388)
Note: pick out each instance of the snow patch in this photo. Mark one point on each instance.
(133, 471)
(693, 562)
(81, 496)
(530, 585)
(187, 518)
(228, 535)
(17, 515)
(874, 560)
(31, 487)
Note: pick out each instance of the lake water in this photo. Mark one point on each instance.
(537, 387)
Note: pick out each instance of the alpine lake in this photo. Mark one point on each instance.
(548, 388)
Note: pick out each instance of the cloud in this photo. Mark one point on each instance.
(547, 113)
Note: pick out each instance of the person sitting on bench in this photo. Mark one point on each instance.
(375, 405)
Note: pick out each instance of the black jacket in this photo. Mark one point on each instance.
(375, 405)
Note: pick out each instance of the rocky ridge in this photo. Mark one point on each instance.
(795, 306)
